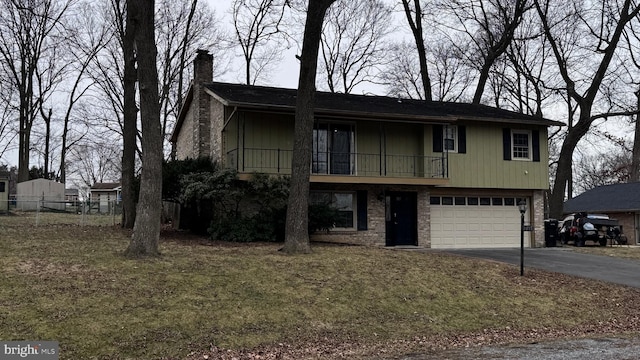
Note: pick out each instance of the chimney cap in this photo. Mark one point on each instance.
(201, 52)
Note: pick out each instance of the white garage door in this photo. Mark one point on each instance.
(476, 222)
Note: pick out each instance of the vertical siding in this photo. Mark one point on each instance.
(483, 165)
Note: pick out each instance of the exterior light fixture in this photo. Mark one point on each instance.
(522, 207)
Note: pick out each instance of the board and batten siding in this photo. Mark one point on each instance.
(483, 164)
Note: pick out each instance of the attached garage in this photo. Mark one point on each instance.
(476, 222)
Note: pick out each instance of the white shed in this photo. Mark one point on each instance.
(46, 193)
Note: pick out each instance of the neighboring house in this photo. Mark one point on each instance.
(401, 172)
(71, 195)
(4, 194)
(40, 194)
(619, 201)
(105, 196)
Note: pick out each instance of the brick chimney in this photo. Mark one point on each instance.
(202, 74)
(203, 67)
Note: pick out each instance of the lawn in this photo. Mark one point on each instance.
(623, 251)
(71, 284)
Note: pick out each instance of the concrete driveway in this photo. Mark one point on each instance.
(563, 260)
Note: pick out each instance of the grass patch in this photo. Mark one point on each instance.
(71, 284)
(627, 252)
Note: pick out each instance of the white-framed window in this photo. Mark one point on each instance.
(521, 144)
(449, 138)
(343, 201)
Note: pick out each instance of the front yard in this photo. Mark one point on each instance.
(71, 284)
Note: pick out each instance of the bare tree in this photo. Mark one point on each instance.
(353, 43)
(296, 231)
(450, 77)
(612, 167)
(257, 25)
(414, 17)
(95, 161)
(25, 27)
(146, 230)
(600, 31)
(485, 29)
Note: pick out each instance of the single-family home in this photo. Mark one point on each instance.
(618, 201)
(105, 196)
(400, 171)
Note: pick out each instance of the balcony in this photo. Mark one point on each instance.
(344, 166)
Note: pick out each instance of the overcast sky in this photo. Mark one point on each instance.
(287, 73)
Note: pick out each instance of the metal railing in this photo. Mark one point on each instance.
(278, 161)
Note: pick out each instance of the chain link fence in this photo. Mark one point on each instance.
(51, 212)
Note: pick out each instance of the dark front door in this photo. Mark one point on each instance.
(401, 218)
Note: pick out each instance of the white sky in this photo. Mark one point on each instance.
(286, 74)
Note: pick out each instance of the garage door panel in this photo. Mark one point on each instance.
(469, 226)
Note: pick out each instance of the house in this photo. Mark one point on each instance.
(40, 194)
(4, 193)
(401, 172)
(619, 201)
(105, 196)
(71, 195)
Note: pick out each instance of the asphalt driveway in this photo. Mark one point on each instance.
(563, 260)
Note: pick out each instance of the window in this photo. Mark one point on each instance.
(460, 200)
(521, 144)
(343, 202)
(333, 149)
(434, 200)
(2, 186)
(449, 136)
(447, 200)
(472, 200)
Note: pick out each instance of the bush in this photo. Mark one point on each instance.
(218, 203)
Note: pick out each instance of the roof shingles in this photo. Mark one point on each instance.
(607, 198)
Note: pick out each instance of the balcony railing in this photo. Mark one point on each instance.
(278, 161)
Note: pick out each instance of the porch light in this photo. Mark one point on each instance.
(522, 207)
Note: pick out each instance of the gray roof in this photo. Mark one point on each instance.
(367, 106)
(607, 198)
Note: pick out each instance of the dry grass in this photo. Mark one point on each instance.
(71, 284)
(627, 252)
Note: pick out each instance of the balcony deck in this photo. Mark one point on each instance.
(345, 167)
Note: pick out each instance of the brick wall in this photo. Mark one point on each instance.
(216, 115)
(185, 143)
(537, 219)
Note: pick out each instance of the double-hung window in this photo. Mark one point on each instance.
(521, 144)
(449, 138)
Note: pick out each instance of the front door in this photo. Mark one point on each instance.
(401, 218)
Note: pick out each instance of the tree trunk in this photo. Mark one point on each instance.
(564, 168)
(297, 231)
(129, 127)
(635, 160)
(416, 29)
(146, 231)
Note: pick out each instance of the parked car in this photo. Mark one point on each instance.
(581, 227)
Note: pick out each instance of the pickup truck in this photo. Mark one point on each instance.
(581, 227)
